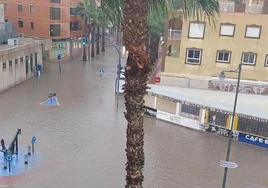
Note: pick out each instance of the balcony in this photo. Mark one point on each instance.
(227, 6)
(174, 34)
(254, 9)
(250, 8)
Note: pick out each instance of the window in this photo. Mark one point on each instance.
(73, 11)
(32, 25)
(6, 20)
(194, 110)
(10, 63)
(196, 30)
(266, 60)
(227, 29)
(20, 7)
(54, 13)
(31, 8)
(21, 59)
(16, 61)
(249, 58)
(193, 56)
(74, 26)
(55, 30)
(223, 56)
(5, 6)
(4, 65)
(54, 1)
(253, 31)
(20, 23)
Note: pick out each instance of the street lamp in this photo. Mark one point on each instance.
(230, 133)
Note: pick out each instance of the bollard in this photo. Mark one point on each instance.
(29, 150)
(26, 159)
(5, 164)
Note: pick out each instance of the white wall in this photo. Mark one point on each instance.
(2, 17)
(15, 74)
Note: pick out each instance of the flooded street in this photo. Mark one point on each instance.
(83, 139)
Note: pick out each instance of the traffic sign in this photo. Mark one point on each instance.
(59, 57)
(33, 139)
(228, 164)
(8, 157)
(157, 79)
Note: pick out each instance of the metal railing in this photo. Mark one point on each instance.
(174, 34)
(227, 6)
(254, 9)
(230, 7)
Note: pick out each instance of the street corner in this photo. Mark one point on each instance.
(22, 168)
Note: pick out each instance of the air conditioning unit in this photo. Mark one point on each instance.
(21, 35)
(13, 41)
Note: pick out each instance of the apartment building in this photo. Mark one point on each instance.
(49, 19)
(194, 47)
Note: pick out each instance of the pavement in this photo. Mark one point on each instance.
(248, 104)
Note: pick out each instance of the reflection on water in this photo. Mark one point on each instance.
(83, 140)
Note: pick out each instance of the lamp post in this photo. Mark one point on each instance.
(230, 133)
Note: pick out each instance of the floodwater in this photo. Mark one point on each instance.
(83, 139)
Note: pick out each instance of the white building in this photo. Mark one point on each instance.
(20, 59)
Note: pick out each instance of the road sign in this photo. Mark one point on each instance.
(59, 56)
(157, 79)
(8, 157)
(228, 164)
(33, 139)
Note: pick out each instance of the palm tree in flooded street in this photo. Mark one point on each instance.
(135, 28)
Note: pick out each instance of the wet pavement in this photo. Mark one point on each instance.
(82, 141)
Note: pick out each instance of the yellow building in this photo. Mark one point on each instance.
(240, 35)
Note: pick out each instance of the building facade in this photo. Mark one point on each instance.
(49, 19)
(20, 61)
(195, 47)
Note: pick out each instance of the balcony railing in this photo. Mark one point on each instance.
(254, 9)
(227, 6)
(174, 34)
(230, 7)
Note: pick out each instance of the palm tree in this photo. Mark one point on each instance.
(83, 11)
(135, 28)
(103, 39)
(156, 21)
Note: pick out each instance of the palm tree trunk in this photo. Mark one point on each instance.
(103, 39)
(93, 41)
(136, 77)
(88, 41)
(147, 44)
(98, 40)
(117, 34)
(84, 57)
(154, 46)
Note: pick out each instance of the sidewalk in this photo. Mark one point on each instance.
(248, 104)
